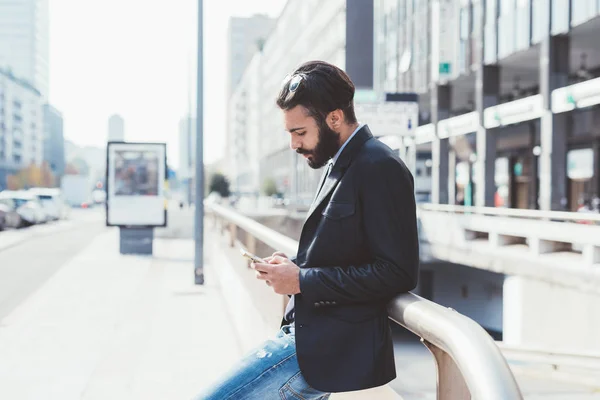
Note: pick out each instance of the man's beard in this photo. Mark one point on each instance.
(327, 146)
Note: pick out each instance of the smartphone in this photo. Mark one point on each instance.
(252, 257)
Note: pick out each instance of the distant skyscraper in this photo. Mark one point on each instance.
(116, 128)
(54, 142)
(24, 44)
(246, 36)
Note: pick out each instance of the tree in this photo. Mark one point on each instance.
(220, 184)
(270, 187)
(31, 176)
(48, 178)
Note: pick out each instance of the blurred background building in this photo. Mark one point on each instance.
(54, 141)
(24, 41)
(258, 152)
(21, 126)
(245, 37)
(187, 156)
(507, 96)
(116, 128)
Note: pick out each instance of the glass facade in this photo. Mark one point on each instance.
(403, 57)
(523, 25)
(583, 10)
(506, 29)
(560, 21)
(540, 24)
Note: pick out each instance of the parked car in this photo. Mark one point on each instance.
(9, 217)
(28, 207)
(52, 202)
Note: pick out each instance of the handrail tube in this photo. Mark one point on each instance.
(266, 235)
(479, 360)
(512, 212)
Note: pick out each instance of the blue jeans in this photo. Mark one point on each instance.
(269, 372)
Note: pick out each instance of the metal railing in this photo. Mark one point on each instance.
(514, 212)
(541, 231)
(469, 364)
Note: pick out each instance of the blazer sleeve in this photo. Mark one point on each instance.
(387, 202)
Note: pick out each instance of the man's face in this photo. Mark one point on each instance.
(317, 143)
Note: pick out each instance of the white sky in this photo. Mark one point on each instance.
(130, 57)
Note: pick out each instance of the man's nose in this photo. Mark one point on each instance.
(294, 144)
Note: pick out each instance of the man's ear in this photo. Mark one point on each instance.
(335, 119)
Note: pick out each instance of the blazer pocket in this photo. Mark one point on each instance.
(355, 313)
(337, 211)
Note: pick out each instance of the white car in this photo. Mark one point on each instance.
(28, 206)
(52, 202)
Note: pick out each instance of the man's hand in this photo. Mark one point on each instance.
(276, 254)
(280, 273)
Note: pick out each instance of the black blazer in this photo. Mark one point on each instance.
(358, 249)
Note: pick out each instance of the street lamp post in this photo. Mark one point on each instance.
(199, 201)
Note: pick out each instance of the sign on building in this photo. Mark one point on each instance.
(443, 40)
(398, 115)
(136, 184)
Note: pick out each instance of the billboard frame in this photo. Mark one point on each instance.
(107, 185)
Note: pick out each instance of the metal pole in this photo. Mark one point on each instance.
(190, 146)
(199, 201)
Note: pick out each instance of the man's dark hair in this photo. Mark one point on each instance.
(321, 88)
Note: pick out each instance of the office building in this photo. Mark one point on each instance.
(116, 128)
(187, 155)
(243, 148)
(508, 96)
(340, 33)
(54, 141)
(21, 126)
(246, 36)
(24, 41)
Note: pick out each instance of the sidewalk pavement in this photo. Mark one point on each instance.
(109, 326)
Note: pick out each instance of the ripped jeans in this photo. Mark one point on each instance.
(269, 372)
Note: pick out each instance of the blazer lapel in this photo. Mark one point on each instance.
(330, 183)
(340, 167)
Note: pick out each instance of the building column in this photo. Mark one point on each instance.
(487, 89)
(440, 110)
(451, 176)
(554, 71)
(596, 168)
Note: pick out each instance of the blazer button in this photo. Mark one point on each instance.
(317, 304)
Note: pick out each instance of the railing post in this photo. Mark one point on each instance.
(232, 234)
(250, 243)
(450, 382)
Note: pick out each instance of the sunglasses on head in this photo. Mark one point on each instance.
(293, 82)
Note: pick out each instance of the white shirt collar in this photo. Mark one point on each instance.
(337, 155)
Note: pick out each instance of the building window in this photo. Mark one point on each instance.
(507, 7)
